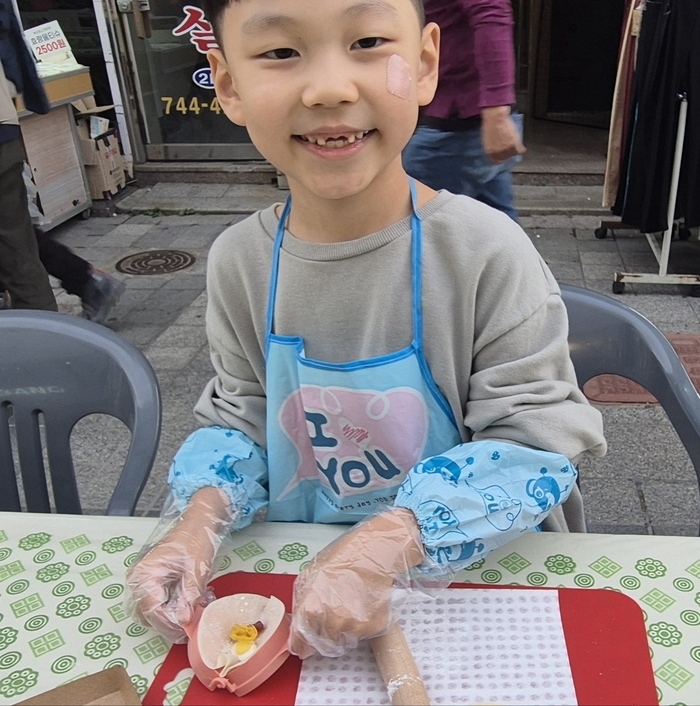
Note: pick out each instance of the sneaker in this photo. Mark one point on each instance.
(101, 295)
(5, 301)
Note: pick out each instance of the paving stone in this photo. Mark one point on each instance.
(199, 242)
(144, 281)
(142, 218)
(688, 529)
(556, 255)
(192, 316)
(601, 258)
(633, 245)
(642, 446)
(585, 234)
(597, 246)
(571, 274)
(613, 502)
(672, 503)
(169, 358)
(92, 227)
(157, 238)
(602, 286)
(599, 272)
(186, 281)
(560, 221)
(140, 336)
(635, 258)
(182, 336)
(199, 219)
(556, 236)
(663, 308)
(102, 257)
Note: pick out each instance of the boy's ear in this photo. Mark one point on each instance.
(429, 63)
(225, 87)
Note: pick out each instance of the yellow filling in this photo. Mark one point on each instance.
(242, 647)
(244, 633)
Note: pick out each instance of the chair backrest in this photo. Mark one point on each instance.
(606, 337)
(66, 368)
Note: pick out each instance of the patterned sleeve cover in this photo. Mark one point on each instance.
(226, 459)
(478, 496)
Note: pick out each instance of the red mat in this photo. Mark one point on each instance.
(613, 389)
(604, 631)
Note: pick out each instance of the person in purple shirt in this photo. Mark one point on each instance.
(469, 138)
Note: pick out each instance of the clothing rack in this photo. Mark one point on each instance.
(661, 254)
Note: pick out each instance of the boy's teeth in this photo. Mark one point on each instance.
(336, 143)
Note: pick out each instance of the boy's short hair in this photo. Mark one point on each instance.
(214, 10)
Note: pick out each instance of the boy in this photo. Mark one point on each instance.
(376, 343)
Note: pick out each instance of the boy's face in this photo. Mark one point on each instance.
(298, 73)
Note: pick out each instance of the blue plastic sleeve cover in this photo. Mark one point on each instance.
(478, 496)
(226, 459)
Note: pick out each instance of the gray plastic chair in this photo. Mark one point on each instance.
(606, 337)
(67, 368)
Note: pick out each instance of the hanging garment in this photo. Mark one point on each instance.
(352, 431)
(668, 64)
(688, 205)
(619, 119)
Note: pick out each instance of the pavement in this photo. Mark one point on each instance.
(645, 485)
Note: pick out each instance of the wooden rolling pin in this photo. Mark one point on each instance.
(398, 669)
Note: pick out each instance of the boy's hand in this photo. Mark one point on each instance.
(344, 596)
(170, 580)
(500, 135)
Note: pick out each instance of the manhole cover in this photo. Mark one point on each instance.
(155, 262)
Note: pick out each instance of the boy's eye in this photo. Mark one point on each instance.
(369, 42)
(280, 54)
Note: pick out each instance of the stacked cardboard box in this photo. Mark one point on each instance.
(104, 163)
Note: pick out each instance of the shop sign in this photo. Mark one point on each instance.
(48, 43)
(202, 36)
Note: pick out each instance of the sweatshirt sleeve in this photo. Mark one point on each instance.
(522, 386)
(478, 496)
(491, 22)
(235, 397)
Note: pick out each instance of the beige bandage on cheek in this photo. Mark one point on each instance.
(398, 77)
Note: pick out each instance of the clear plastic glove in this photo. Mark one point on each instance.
(345, 594)
(169, 579)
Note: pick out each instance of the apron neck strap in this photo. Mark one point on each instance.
(274, 273)
(416, 260)
(416, 278)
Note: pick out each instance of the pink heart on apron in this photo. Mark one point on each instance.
(354, 441)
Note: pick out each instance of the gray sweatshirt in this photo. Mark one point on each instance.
(495, 326)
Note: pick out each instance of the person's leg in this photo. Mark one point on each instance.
(456, 161)
(498, 193)
(98, 291)
(436, 158)
(20, 268)
(73, 272)
(493, 183)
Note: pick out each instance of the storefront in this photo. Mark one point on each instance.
(566, 65)
(180, 115)
(566, 53)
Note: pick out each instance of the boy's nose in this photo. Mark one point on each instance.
(331, 83)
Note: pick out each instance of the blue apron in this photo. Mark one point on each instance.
(341, 437)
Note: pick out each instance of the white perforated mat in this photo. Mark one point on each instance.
(473, 646)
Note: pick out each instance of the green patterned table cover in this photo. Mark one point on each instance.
(62, 593)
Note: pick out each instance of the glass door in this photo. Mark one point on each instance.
(182, 118)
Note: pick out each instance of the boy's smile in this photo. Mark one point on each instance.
(313, 81)
(335, 142)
